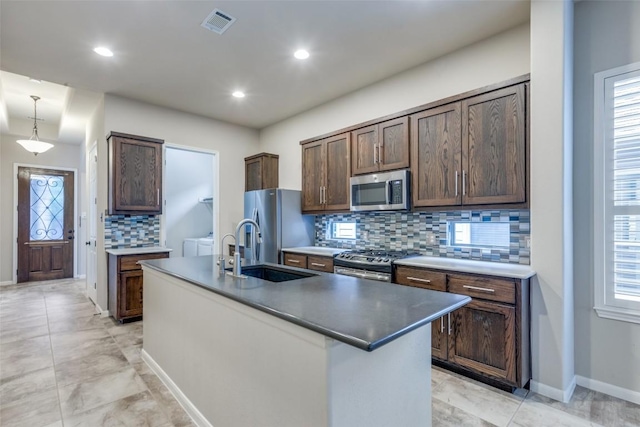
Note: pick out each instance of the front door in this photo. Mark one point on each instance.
(45, 224)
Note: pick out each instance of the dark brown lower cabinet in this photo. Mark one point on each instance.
(126, 284)
(488, 338)
(312, 262)
(483, 339)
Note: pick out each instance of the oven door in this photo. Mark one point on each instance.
(362, 274)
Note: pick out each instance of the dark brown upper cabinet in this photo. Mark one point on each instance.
(261, 171)
(493, 147)
(326, 168)
(471, 152)
(135, 174)
(380, 147)
(436, 158)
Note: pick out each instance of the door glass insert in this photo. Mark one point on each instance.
(47, 207)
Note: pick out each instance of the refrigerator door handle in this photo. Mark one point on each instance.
(254, 237)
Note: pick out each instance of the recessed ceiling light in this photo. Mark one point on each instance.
(301, 54)
(32, 80)
(238, 94)
(103, 51)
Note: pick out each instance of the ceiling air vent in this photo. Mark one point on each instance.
(218, 21)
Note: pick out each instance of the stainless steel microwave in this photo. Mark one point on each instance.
(385, 191)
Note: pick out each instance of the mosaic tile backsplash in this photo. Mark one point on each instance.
(410, 231)
(128, 231)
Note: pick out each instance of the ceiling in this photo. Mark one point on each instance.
(164, 57)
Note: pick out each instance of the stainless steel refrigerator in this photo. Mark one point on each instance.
(278, 213)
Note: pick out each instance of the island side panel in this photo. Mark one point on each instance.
(236, 365)
(390, 386)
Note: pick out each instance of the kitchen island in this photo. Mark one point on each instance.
(323, 350)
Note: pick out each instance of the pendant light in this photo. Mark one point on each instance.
(34, 144)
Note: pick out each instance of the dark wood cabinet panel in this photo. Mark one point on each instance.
(393, 152)
(440, 337)
(380, 147)
(261, 171)
(130, 294)
(364, 148)
(125, 281)
(493, 145)
(436, 158)
(489, 288)
(294, 260)
(484, 339)
(135, 169)
(313, 169)
(326, 169)
(320, 263)
(338, 172)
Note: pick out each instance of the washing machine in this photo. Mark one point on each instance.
(205, 246)
(190, 247)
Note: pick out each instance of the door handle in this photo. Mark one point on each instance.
(375, 151)
(449, 323)
(87, 243)
(464, 183)
(456, 184)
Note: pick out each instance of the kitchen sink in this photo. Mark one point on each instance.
(273, 274)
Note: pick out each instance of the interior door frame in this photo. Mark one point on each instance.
(215, 164)
(14, 274)
(89, 221)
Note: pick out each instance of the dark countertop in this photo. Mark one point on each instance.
(363, 313)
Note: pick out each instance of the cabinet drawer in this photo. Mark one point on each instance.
(295, 260)
(421, 278)
(320, 263)
(130, 262)
(488, 288)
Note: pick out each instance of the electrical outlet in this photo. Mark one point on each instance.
(527, 242)
(430, 238)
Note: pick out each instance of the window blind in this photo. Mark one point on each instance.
(622, 105)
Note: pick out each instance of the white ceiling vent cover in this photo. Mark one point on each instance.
(218, 21)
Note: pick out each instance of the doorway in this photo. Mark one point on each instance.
(190, 197)
(45, 224)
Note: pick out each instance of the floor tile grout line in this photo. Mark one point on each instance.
(53, 361)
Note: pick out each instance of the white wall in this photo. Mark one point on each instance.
(231, 142)
(496, 59)
(552, 328)
(184, 215)
(61, 155)
(607, 35)
(95, 134)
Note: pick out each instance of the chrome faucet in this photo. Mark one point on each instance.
(221, 258)
(237, 268)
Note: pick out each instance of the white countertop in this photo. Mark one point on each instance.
(135, 251)
(515, 271)
(315, 250)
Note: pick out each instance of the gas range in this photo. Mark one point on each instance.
(369, 264)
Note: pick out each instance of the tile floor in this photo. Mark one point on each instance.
(62, 365)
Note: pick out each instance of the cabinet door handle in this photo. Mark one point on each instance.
(442, 325)
(464, 182)
(158, 197)
(449, 323)
(380, 152)
(375, 151)
(324, 195)
(456, 184)
(417, 279)
(295, 261)
(318, 265)
(475, 288)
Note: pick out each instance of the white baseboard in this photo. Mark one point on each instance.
(103, 313)
(7, 283)
(81, 276)
(610, 389)
(552, 392)
(186, 404)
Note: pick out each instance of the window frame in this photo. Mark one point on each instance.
(605, 303)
